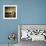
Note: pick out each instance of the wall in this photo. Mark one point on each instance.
(33, 12)
(7, 26)
(28, 12)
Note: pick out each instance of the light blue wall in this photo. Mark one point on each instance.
(28, 12)
(7, 26)
(33, 12)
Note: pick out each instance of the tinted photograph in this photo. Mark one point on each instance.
(10, 12)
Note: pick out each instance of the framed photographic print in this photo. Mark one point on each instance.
(9, 11)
